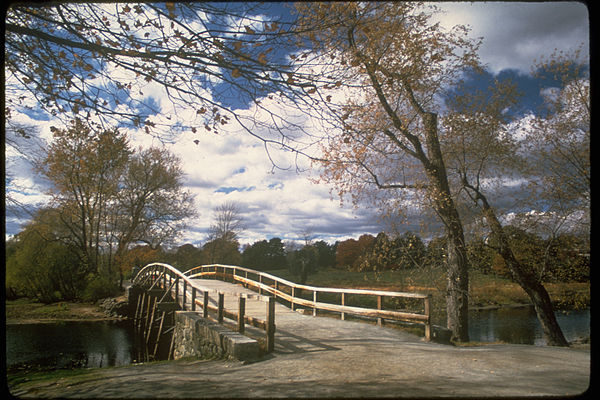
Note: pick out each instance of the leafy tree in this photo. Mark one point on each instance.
(325, 254)
(109, 197)
(152, 204)
(41, 266)
(404, 252)
(559, 139)
(568, 257)
(221, 251)
(137, 257)
(480, 255)
(482, 147)
(348, 252)
(188, 256)
(436, 253)
(303, 262)
(85, 168)
(265, 255)
(411, 250)
(379, 69)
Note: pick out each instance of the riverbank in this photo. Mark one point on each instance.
(27, 311)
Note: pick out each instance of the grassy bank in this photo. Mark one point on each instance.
(27, 310)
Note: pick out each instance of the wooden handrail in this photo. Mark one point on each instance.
(343, 309)
(154, 272)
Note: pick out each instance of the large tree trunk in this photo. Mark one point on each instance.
(527, 279)
(457, 288)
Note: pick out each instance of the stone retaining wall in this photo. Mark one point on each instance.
(202, 338)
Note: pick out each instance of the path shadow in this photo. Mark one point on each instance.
(287, 342)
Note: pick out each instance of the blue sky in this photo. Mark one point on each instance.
(233, 166)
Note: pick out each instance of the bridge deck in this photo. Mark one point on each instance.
(296, 332)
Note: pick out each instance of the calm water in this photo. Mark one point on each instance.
(69, 344)
(521, 326)
(101, 344)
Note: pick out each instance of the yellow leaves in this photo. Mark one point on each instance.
(262, 58)
(249, 30)
(236, 73)
(171, 8)
(237, 45)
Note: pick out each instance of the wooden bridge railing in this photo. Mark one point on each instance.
(290, 291)
(189, 294)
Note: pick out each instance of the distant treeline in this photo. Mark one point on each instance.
(49, 277)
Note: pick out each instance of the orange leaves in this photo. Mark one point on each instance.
(290, 79)
(262, 58)
(171, 8)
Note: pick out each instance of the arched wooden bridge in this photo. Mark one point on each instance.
(252, 303)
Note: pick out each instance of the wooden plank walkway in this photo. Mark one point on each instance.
(296, 332)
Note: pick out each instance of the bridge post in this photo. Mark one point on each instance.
(293, 296)
(379, 307)
(148, 311)
(205, 304)
(271, 324)
(427, 306)
(343, 304)
(140, 313)
(151, 319)
(220, 307)
(241, 314)
(193, 298)
(314, 303)
(183, 300)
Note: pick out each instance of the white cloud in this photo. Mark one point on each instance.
(516, 33)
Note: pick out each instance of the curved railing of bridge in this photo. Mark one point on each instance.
(189, 295)
(327, 299)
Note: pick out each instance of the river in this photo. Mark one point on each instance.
(102, 344)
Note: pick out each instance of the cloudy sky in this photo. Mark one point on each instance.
(284, 203)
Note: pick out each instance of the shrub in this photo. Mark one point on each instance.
(100, 287)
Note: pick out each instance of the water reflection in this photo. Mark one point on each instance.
(521, 326)
(69, 345)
